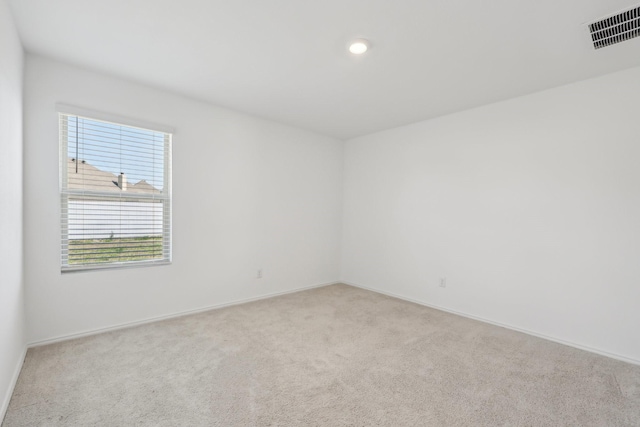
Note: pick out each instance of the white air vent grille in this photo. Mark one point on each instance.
(616, 29)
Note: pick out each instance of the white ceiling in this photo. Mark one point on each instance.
(287, 60)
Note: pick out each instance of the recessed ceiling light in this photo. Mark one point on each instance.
(359, 46)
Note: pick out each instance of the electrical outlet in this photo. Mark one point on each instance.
(259, 274)
(443, 282)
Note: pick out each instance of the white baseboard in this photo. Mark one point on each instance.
(504, 325)
(170, 316)
(12, 385)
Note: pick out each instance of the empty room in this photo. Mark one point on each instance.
(330, 213)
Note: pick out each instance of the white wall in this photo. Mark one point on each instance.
(12, 323)
(248, 194)
(529, 207)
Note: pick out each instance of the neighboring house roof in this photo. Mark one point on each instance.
(143, 187)
(89, 177)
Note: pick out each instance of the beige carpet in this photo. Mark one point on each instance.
(333, 356)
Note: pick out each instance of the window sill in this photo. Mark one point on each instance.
(113, 266)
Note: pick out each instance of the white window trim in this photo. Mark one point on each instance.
(112, 118)
(64, 109)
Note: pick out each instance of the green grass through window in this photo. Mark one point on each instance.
(98, 251)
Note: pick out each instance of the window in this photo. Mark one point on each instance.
(115, 194)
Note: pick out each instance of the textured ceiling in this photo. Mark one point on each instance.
(286, 60)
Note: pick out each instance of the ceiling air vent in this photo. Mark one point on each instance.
(616, 28)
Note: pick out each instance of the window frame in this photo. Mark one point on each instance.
(65, 193)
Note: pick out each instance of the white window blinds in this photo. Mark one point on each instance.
(115, 194)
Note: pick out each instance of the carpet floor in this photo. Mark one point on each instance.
(331, 356)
